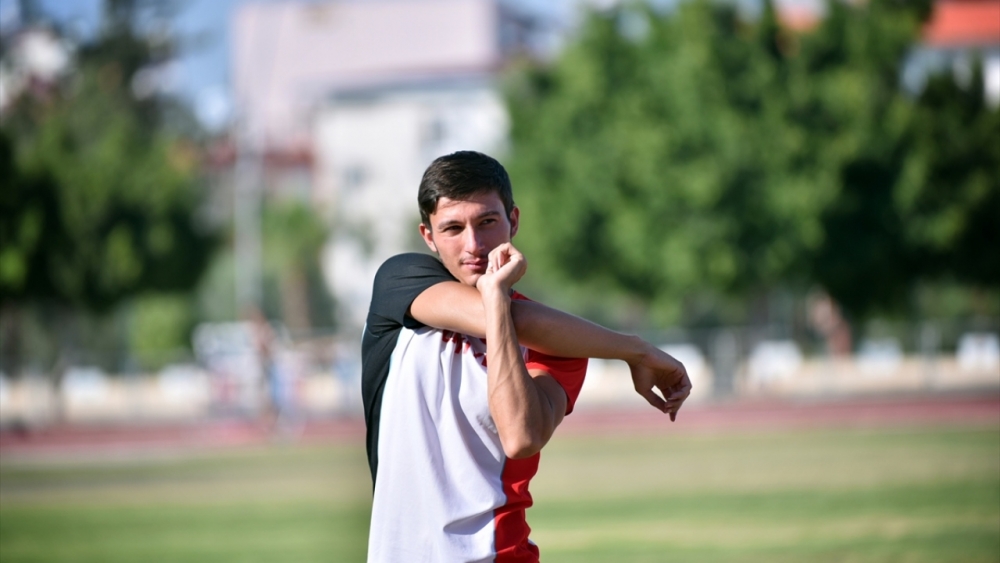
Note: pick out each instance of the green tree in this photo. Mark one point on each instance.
(293, 236)
(103, 201)
(667, 155)
(664, 164)
(949, 196)
(100, 195)
(859, 118)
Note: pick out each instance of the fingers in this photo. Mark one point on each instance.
(654, 399)
(674, 405)
(499, 256)
(644, 381)
(512, 252)
(503, 254)
(658, 369)
(675, 393)
(493, 262)
(677, 397)
(508, 263)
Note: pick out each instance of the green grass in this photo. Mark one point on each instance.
(277, 504)
(906, 495)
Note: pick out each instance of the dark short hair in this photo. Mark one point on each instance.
(461, 175)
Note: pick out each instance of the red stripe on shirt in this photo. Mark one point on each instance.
(510, 526)
(569, 372)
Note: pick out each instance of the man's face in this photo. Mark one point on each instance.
(463, 232)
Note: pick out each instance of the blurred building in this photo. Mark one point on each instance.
(958, 33)
(362, 96)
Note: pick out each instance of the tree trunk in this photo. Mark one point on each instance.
(295, 300)
(11, 344)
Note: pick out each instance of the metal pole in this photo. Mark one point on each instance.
(725, 362)
(247, 210)
(930, 344)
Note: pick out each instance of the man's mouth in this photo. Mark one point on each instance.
(480, 264)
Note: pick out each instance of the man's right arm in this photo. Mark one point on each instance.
(458, 307)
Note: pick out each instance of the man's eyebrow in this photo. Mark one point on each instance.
(448, 222)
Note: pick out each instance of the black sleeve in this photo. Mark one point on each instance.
(398, 282)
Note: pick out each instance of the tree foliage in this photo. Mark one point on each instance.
(293, 236)
(950, 199)
(99, 196)
(667, 154)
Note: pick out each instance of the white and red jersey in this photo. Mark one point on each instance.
(444, 490)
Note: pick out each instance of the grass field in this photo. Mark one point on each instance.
(901, 495)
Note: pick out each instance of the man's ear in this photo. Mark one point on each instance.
(515, 217)
(428, 236)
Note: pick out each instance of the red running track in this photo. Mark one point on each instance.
(785, 415)
(116, 441)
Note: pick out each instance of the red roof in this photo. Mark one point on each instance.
(964, 22)
(798, 18)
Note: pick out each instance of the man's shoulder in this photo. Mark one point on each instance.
(400, 279)
(410, 265)
(410, 259)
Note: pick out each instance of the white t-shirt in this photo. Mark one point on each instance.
(444, 490)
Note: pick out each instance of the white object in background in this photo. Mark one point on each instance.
(880, 357)
(694, 363)
(228, 349)
(229, 353)
(991, 80)
(85, 385)
(596, 373)
(4, 392)
(979, 352)
(608, 382)
(213, 339)
(773, 360)
(183, 383)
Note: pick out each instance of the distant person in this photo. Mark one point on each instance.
(277, 381)
(457, 409)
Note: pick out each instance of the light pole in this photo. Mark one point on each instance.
(247, 213)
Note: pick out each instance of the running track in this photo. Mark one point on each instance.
(62, 442)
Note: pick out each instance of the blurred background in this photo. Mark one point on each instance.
(798, 199)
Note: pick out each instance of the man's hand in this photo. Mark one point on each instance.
(506, 266)
(658, 369)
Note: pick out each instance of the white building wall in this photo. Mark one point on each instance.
(371, 151)
(288, 56)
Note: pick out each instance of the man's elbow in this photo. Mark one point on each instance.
(522, 445)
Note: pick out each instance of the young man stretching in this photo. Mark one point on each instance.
(455, 426)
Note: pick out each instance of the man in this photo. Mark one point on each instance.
(455, 426)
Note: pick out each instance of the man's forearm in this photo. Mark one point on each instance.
(457, 307)
(524, 419)
(557, 333)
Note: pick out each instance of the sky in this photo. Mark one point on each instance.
(201, 73)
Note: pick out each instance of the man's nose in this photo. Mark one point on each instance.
(473, 241)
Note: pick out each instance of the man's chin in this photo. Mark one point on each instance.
(467, 274)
